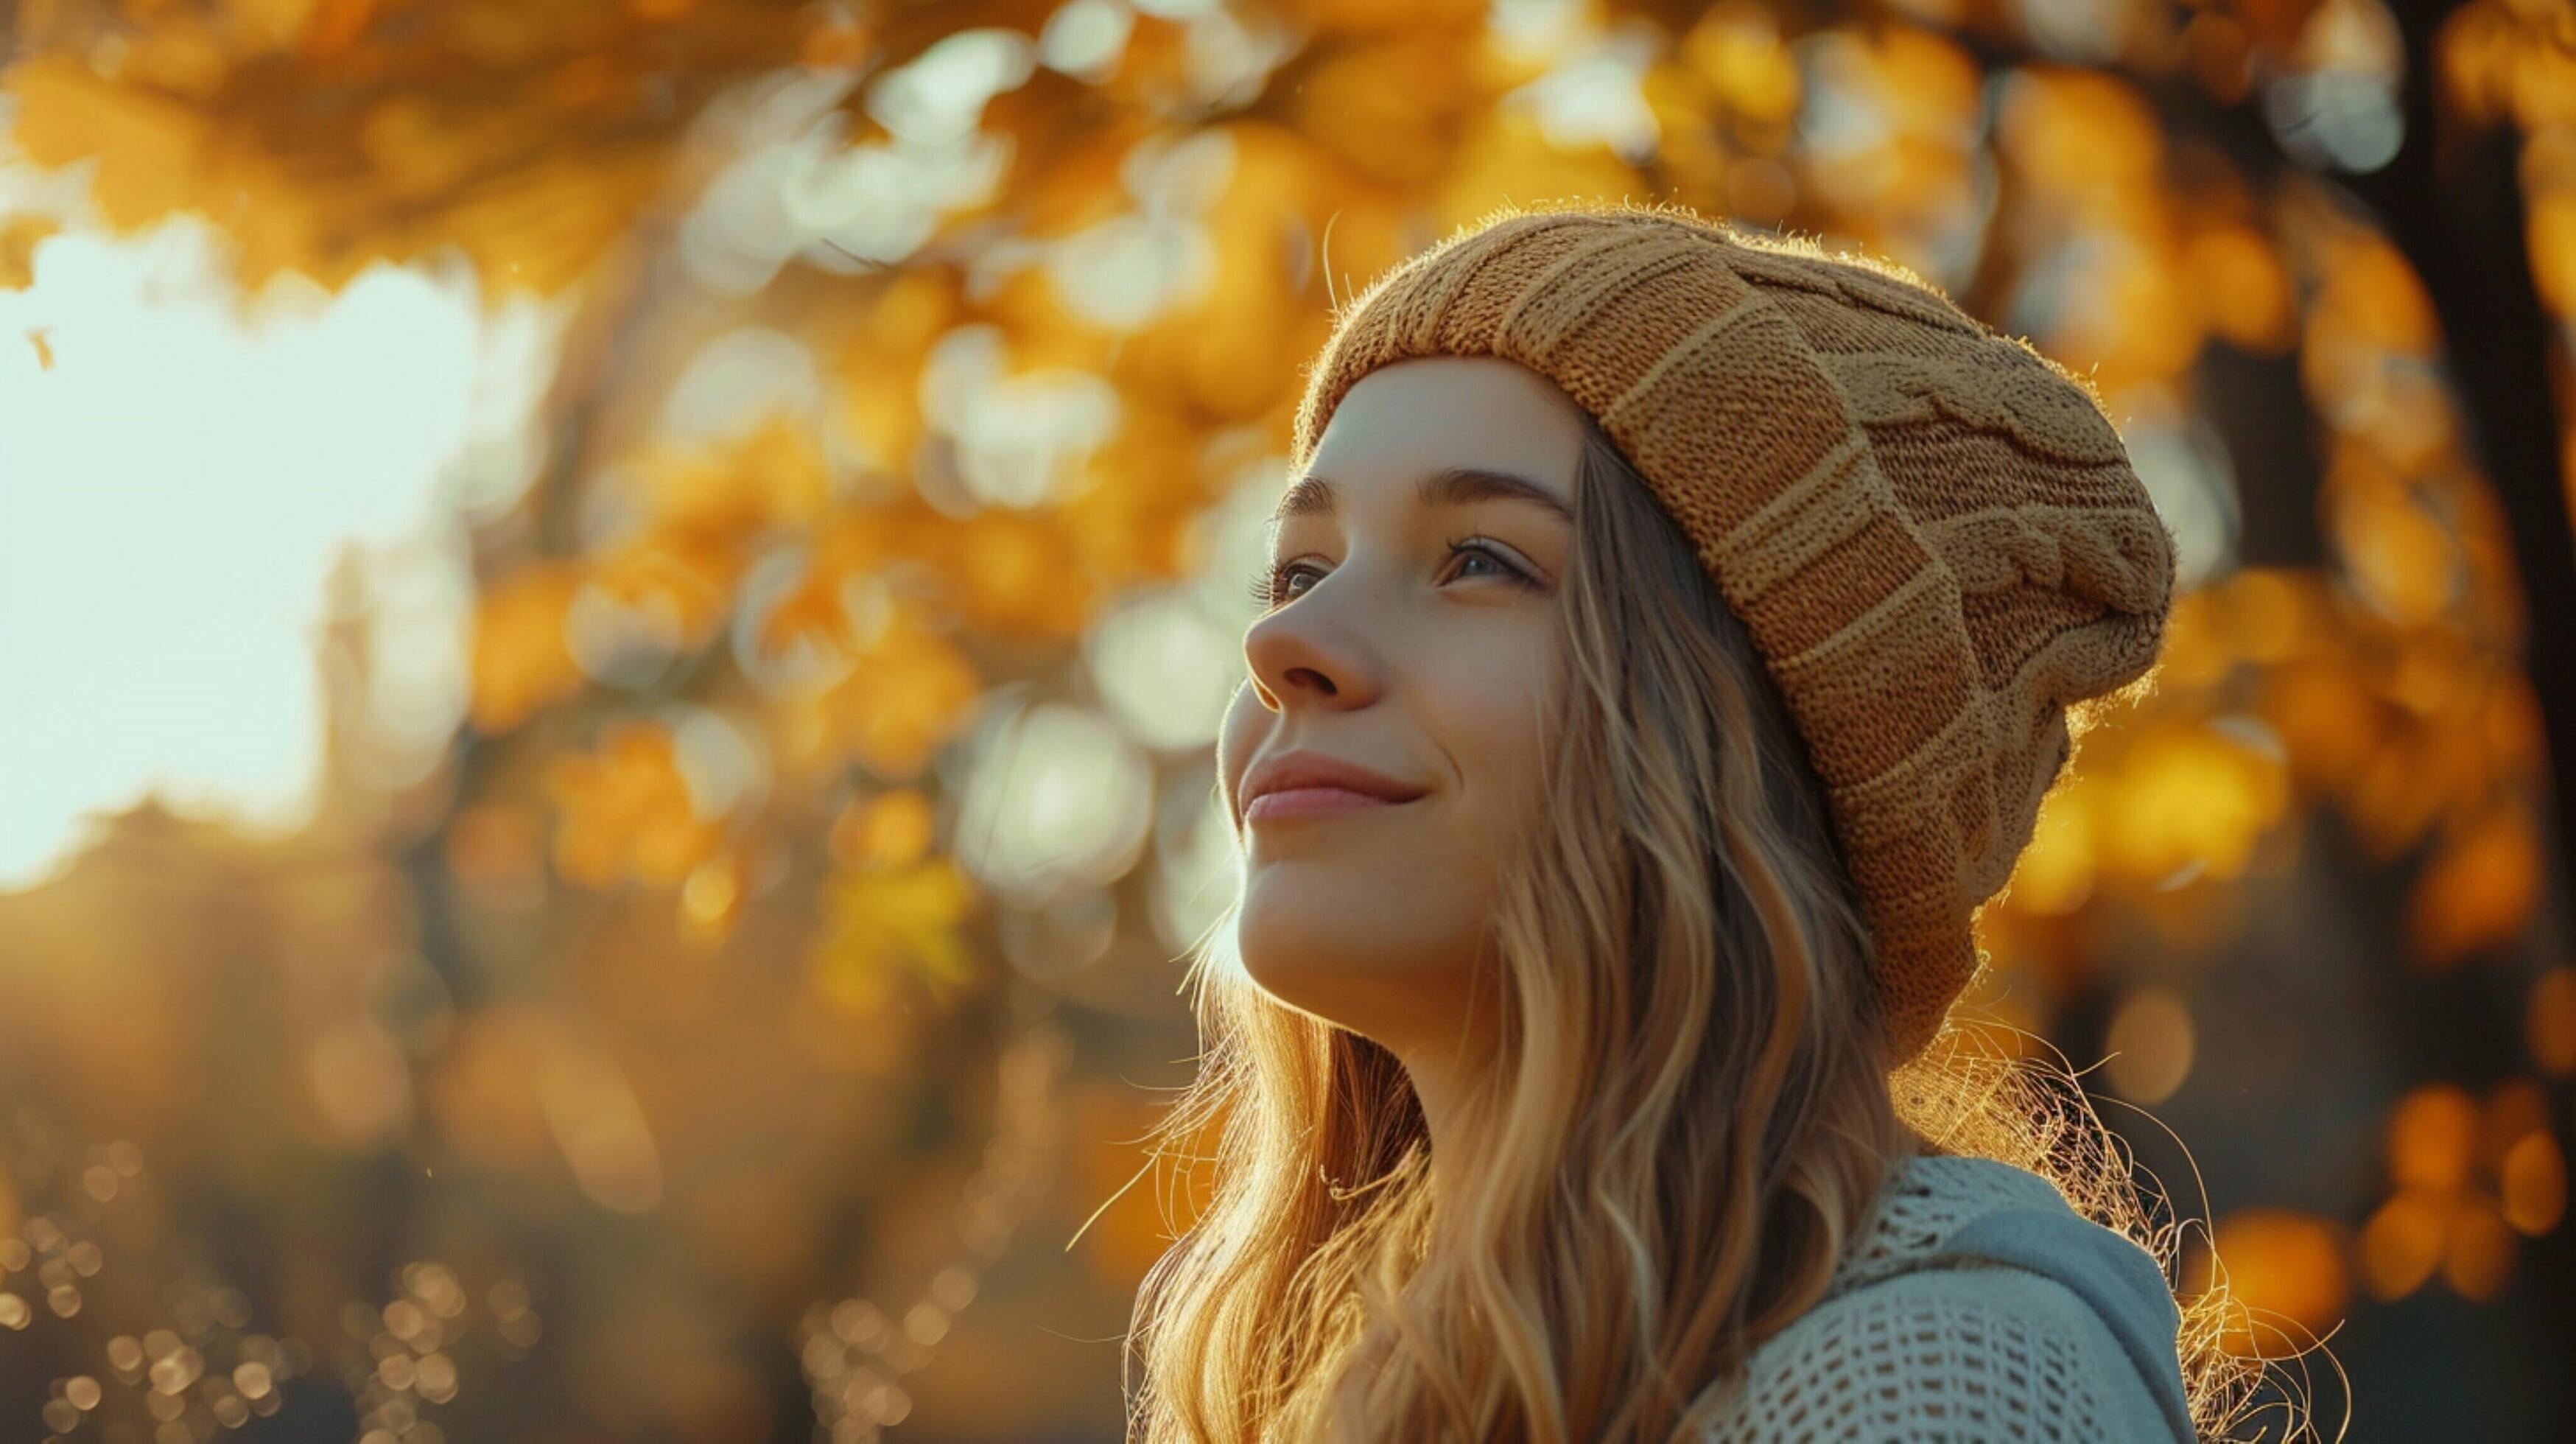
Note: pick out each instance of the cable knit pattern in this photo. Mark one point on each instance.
(1932, 533)
(1913, 1343)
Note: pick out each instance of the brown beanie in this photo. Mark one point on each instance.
(1931, 532)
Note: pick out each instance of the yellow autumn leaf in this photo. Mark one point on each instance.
(1741, 56)
(684, 577)
(2288, 1269)
(521, 662)
(18, 238)
(809, 613)
(271, 24)
(1387, 109)
(774, 475)
(2534, 1180)
(1016, 573)
(1504, 156)
(2480, 891)
(884, 925)
(908, 692)
(2478, 1264)
(150, 151)
(2432, 1139)
(2549, 1021)
(625, 810)
(2242, 287)
(326, 137)
(2055, 872)
(892, 829)
(332, 27)
(2400, 791)
(539, 231)
(2401, 1246)
(2186, 794)
(2327, 715)
(2373, 296)
(711, 897)
(2399, 555)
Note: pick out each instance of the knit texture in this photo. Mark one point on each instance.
(1927, 1332)
(1932, 533)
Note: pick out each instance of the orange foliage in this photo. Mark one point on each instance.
(891, 829)
(2402, 1244)
(625, 811)
(2467, 1177)
(2432, 1138)
(2288, 1270)
(327, 136)
(2550, 1021)
(521, 662)
(883, 924)
(18, 238)
(2479, 892)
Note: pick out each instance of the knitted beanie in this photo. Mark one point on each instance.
(1931, 532)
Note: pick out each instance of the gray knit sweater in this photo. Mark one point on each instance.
(1974, 1305)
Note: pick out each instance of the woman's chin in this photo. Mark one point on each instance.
(1299, 912)
(1352, 974)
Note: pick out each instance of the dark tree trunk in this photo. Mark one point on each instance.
(2452, 201)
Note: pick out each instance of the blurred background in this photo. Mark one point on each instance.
(612, 615)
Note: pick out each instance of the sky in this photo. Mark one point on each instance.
(176, 480)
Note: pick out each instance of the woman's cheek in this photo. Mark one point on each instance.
(1238, 736)
(1489, 692)
(1498, 704)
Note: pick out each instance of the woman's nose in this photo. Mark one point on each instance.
(1314, 650)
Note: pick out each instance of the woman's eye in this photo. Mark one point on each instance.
(1476, 549)
(1270, 584)
(1274, 585)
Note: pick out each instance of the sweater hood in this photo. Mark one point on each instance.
(1939, 1211)
(1927, 1200)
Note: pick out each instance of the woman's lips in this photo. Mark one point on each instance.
(1290, 802)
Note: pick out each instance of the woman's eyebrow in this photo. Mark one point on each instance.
(1449, 486)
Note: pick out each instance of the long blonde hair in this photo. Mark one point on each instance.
(1692, 1110)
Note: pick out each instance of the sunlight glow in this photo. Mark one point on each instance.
(179, 470)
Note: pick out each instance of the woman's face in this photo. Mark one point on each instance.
(1411, 635)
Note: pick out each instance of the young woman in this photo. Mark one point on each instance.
(1669, 637)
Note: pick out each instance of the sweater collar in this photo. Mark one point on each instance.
(1926, 1199)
